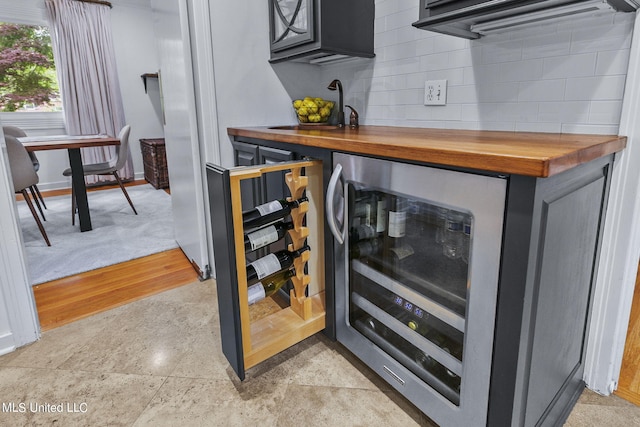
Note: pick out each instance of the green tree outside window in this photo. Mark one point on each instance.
(27, 71)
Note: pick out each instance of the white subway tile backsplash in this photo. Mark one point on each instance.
(400, 51)
(400, 19)
(498, 92)
(556, 77)
(518, 111)
(406, 97)
(453, 76)
(564, 111)
(470, 112)
(425, 46)
(605, 112)
(531, 69)
(596, 88)
(542, 90)
(444, 43)
(590, 129)
(500, 51)
(460, 58)
(545, 45)
(435, 61)
(386, 7)
(612, 62)
(570, 66)
(538, 127)
(465, 94)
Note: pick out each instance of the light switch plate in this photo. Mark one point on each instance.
(435, 92)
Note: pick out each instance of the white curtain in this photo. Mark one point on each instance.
(88, 77)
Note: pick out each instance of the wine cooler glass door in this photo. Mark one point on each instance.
(421, 258)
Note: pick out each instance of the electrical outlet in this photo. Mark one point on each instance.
(435, 92)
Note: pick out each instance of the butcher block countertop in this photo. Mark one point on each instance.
(522, 153)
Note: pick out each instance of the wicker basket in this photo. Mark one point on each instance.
(154, 158)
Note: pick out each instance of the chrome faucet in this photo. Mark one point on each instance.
(333, 86)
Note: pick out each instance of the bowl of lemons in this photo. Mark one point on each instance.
(313, 110)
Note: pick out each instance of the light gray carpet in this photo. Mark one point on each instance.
(118, 235)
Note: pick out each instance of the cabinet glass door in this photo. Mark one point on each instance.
(409, 272)
(291, 23)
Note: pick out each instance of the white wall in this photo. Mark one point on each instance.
(249, 91)
(136, 54)
(556, 77)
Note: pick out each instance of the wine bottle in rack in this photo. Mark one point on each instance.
(265, 236)
(272, 263)
(269, 212)
(269, 285)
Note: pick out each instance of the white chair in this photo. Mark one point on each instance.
(107, 168)
(35, 192)
(23, 175)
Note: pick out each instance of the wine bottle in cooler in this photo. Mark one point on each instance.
(269, 285)
(381, 212)
(365, 248)
(397, 249)
(272, 263)
(269, 212)
(265, 236)
(397, 218)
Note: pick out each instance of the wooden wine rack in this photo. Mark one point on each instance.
(305, 315)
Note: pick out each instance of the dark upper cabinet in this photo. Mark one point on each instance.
(473, 18)
(320, 31)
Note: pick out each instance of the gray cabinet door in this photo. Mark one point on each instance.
(274, 185)
(247, 155)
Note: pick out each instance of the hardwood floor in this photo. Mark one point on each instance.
(629, 383)
(72, 298)
(75, 297)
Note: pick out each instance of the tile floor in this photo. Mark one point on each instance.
(157, 362)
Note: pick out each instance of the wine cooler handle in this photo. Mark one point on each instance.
(331, 192)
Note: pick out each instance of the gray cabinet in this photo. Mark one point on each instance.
(320, 31)
(551, 240)
(550, 250)
(269, 187)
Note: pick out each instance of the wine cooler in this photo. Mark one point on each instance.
(418, 252)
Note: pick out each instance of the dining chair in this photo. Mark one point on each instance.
(107, 168)
(24, 176)
(35, 191)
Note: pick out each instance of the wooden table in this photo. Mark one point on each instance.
(72, 144)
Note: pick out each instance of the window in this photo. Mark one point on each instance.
(28, 80)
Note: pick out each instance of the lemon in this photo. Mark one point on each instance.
(311, 106)
(303, 119)
(325, 112)
(303, 111)
(297, 103)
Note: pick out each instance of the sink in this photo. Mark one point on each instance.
(318, 126)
